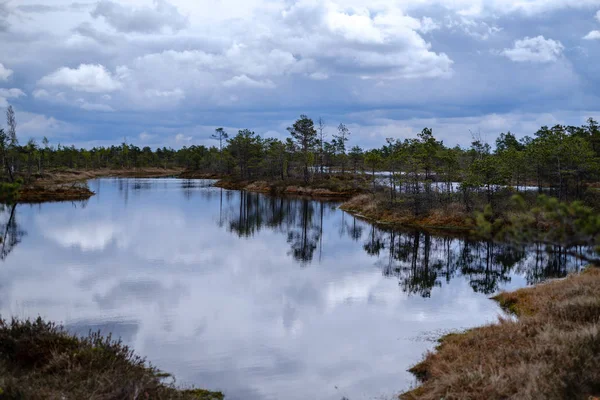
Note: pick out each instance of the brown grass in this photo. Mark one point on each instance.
(54, 192)
(335, 186)
(69, 175)
(379, 210)
(552, 351)
(39, 360)
(68, 185)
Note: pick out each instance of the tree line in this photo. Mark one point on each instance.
(563, 160)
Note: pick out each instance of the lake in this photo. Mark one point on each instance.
(261, 297)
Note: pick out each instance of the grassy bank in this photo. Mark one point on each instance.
(328, 186)
(69, 185)
(379, 210)
(39, 360)
(550, 351)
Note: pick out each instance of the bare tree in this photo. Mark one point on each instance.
(12, 126)
(322, 137)
(220, 135)
(340, 140)
(11, 138)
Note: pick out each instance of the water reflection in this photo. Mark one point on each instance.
(9, 227)
(266, 298)
(419, 260)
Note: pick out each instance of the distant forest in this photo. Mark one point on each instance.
(562, 159)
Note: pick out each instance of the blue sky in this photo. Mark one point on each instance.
(168, 72)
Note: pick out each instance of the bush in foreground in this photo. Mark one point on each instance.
(40, 360)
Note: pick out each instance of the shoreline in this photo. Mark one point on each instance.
(288, 188)
(546, 351)
(448, 220)
(68, 185)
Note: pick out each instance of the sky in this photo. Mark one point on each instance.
(168, 72)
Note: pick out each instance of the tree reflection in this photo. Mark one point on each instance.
(299, 219)
(11, 233)
(419, 260)
(304, 237)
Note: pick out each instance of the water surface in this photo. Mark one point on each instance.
(261, 297)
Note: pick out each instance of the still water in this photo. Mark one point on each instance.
(261, 297)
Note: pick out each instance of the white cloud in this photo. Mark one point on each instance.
(470, 26)
(5, 73)
(593, 35)
(37, 125)
(427, 25)
(245, 81)
(536, 49)
(91, 78)
(83, 104)
(9, 94)
(598, 16)
(318, 76)
(142, 19)
(180, 138)
(145, 136)
(175, 94)
(40, 94)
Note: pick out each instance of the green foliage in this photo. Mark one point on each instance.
(548, 221)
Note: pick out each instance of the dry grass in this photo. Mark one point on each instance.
(39, 360)
(68, 175)
(68, 185)
(335, 186)
(378, 209)
(552, 351)
(54, 192)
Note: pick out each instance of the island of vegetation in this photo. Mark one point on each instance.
(541, 189)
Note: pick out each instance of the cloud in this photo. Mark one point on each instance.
(40, 94)
(536, 49)
(38, 125)
(38, 8)
(9, 94)
(480, 30)
(427, 25)
(245, 81)
(85, 78)
(180, 139)
(83, 104)
(175, 94)
(593, 35)
(318, 76)
(141, 20)
(145, 136)
(383, 44)
(5, 73)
